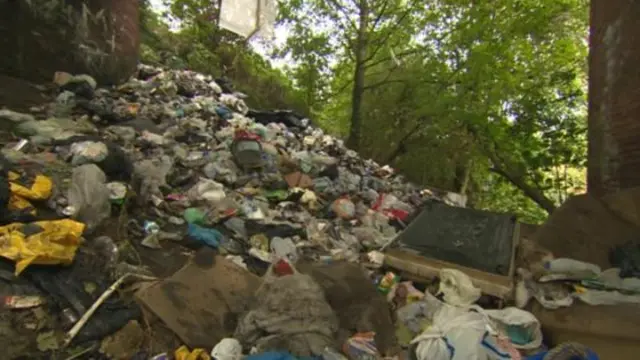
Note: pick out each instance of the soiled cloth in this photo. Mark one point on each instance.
(290, 314)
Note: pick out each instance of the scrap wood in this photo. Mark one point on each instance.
(428, 268)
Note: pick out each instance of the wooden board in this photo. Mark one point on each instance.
(426, 268)
(201, 302)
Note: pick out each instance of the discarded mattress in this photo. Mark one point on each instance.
(477, 239)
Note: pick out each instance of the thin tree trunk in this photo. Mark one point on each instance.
(361, 48)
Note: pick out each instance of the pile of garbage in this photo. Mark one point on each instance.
(111, 189)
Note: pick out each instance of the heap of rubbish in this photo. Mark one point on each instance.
(163, 219)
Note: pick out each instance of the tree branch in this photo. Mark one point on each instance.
(339, 7)
(398, 56)
(533, 193)
(503, 168)
(380, 15)
(333, 93)
(384, 82)
(397, 151)
(386, 37)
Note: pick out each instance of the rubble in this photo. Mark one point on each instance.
(266, 234)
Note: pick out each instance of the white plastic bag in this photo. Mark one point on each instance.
(457, 288)
(457, 334)
(88, 152)
(283, 249)
(208, 190)
(227, 349)
(519, 325)
(234, 103)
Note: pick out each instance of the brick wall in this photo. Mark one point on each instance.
(98, 37)
(614, 96)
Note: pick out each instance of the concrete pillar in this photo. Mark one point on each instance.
(96, 37)
(614, 96)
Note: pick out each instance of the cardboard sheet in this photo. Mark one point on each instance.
(201, 302)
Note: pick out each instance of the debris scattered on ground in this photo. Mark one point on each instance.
(125, 343)
(247, 233)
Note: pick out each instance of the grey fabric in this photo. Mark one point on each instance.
(290, 313)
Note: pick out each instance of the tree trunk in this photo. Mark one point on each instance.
(361, 48)
(533, 193)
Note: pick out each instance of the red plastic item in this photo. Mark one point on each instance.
(390, 213)
(245, 135)
(396, 214)
(282, 268)
(378, 202)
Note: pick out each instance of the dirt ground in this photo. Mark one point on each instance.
(19, 95)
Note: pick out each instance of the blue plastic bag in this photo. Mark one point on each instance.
(211, 237)
(569, 349)
(224, 112)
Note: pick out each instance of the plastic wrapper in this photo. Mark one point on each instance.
(151, 174)
(227, 349)
(249, 17)
(37, 188)
(361, 346)
(522, 327)
(457, 288)
(25, 188)
(459, 334)
(87, 152)
(207, 190)
(284, 249)
(42, 242)
(183, 353)
(89, 196)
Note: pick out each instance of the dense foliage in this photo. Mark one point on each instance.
(485, 98)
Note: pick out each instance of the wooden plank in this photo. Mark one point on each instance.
(492, 284)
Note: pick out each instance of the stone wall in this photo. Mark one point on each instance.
(614, 96)
(96, 37)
